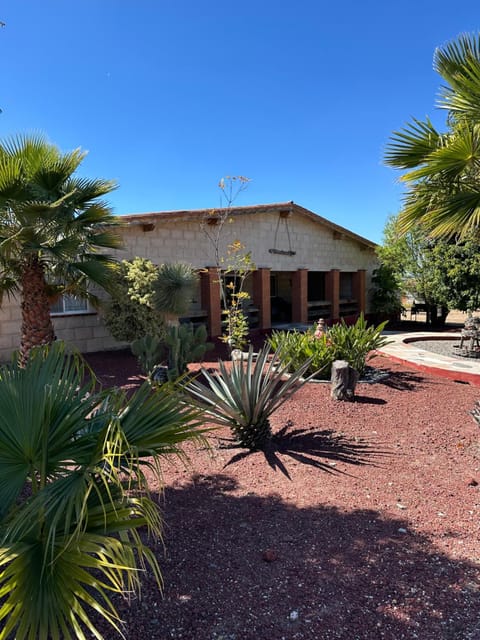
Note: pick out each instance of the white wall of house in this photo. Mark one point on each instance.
(317, 248)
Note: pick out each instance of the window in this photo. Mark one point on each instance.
(69, 305)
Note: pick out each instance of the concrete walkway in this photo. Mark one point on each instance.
(402, 349)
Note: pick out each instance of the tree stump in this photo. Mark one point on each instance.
(344, 380)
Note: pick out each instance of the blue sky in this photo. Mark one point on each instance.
(168, 96)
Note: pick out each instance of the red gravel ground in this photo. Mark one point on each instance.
(361, 523)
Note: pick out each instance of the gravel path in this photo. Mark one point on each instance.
(442, 347)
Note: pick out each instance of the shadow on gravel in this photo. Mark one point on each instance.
(321, 449)
(404, 381)
(368, 400)
(241, 566)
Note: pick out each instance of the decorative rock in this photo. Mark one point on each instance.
(269, 555)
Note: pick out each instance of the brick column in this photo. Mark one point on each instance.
(359, 290)
(332, 292)
(261, 297)
(210, 293)
(300, 296)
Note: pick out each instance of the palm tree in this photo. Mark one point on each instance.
(54, 229)
(73, 493)
(443, 169)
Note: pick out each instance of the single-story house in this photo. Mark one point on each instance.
(306, 267)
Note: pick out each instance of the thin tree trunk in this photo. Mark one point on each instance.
(37, 326)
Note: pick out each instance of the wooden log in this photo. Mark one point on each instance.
(344, 380)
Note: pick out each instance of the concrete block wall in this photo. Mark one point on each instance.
(316, 246)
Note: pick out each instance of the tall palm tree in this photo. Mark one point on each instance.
(443, 169)
(54, 230)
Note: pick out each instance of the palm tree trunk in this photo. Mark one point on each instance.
(37, 326)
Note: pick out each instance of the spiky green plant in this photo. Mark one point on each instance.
(244, 395)
(73, 493)
(295, 347)
(174, 289)
(356, 342)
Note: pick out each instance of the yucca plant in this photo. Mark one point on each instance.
(73, 493)
(173, 290)
(244, 395)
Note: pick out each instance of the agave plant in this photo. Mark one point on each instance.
(73, 493)
(244, 396)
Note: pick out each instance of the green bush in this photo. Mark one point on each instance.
(354, 343)
(180, 345)
(296, 347)
(341, 342)
(130, 313)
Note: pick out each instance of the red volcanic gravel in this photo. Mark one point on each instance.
(360, 523)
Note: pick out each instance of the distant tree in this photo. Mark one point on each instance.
(443, 169)
(455, 270)
(54, 229)
(386, 294)
(443, 273)
(404, 254)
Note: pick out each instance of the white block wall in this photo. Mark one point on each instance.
(317, 248)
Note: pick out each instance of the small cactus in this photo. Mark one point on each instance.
(185, 344)
(148, 351)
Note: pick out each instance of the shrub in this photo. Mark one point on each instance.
(354, 343)
(180, 345)
(73, 493)
(296, 347)
(130, 314)
(244, 396)
(341, 342)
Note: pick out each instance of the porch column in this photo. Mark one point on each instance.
(261, 297)
(300, 296)
(210, 293)
(359, 290)
(332, 292)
